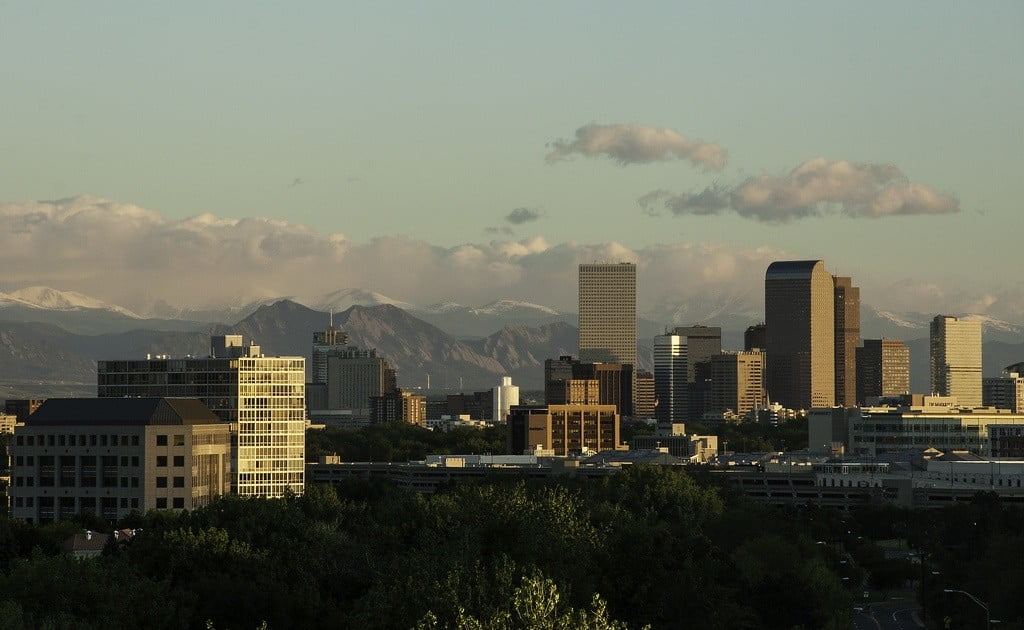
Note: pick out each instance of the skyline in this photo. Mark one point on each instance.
(424, 152)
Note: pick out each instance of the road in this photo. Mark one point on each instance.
(892, 615)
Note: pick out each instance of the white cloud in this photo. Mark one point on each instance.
(815, 188)
(638, 144)
(135, 258)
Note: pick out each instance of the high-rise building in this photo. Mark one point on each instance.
(556, 373)
(330, 341)
(607, 312)
(354, 377)
(702, 343)
(670, 384)
(736, 379)
(754, 337)
(614, 382)
(265, 397)
(883, 369)
(109, 456)
(643, 395)
(505, 396)
(847, 338)
(398, 406)
(956, 359)
(1006, 391)
(799, 312)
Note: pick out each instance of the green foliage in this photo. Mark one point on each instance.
(402, 442)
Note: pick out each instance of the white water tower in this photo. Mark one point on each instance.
(505, 395)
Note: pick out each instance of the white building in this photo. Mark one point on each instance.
(670, 381)
(505, 396)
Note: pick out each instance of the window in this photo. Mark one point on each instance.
(179, 460)
(161, 503)
(178, 503)
(135, 442)
(124, 460)
(179, 440)
(179, 482)
(135, 503)
(161, 482)
(161, 440)
(161, 461)
(135, 460)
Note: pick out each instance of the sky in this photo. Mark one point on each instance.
(203, 152)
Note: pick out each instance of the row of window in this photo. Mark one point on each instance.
(77, 440)
(68, 461)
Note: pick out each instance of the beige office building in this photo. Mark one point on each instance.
(110, 456)
(563, 429)
(847, 338)
(736, 381)
(607, 312)
(263, 397)
(799, 309)
(883, 369)
(956, 359)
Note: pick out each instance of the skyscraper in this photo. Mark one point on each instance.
(607, 311)
(883, 369)
(737, 381)
(670, 385)
(702, 343)
(325, 343)
(754, 337)
(264, 396)
(847, 338)
(799, 312)
(956, 359)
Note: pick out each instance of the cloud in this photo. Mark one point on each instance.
(815, 188)
(504, 229)
(637, 144)
(522, 215)
(136, 258)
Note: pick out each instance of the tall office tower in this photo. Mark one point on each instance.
(265, 397)
(398, 406)
(643, 395)
(702, 343)
(670, 386)
(754, 337)
(556, 373)
(505, 396)
(614, 383)
(354, 377)
(883, 369)
(956, 359)
(736, 381)
(1006, 391)
(799, 313)
(847, 338)
(325, 343)
(607, 307)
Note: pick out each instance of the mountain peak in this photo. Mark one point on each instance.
(50, 299)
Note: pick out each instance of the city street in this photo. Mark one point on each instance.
(891, 615)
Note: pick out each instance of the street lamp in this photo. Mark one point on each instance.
(988, 617)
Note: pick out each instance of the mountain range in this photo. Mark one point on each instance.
(50, 340)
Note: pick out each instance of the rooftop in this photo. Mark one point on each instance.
(122, 412)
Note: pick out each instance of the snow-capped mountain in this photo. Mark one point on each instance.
(506, 307)
(49, 299)
(876, 323)
(343, 299)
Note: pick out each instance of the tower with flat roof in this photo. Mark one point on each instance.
(799, 312)
(607, 312)
(956, 359)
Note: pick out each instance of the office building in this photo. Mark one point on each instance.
(883, 369)
(614, 382)
(505, 397)
(353, 377)
(1004, 392)
(110, 456)
(607, 313)
(556, 373)
(23, 407)
(563, 429)
(755, 337)
(574, 391)
(956, 359)
(702, 343)
(331, 341)
(671, 389)
(847, 337)
(799, 309)
(643, 395)
(398, 406)
(736, 381)
(264, 397)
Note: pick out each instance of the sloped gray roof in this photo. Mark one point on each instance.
(122, 412)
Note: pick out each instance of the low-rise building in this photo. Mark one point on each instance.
(109, 456)
(563, 429)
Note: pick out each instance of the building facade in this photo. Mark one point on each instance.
(671, 389)
(800, 334)
(847, 337)
(505, 397)
(563, 429)
(111, 456)
(737, 383)
(1004, 392)
(607, 313)
(399, 406)
(263, 397)
(643, 395)
(883, 369)
(956, 359)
